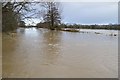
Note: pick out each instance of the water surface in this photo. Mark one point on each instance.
(41, 53)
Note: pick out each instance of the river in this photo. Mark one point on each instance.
(41, 53)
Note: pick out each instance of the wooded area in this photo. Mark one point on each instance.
(15, 13)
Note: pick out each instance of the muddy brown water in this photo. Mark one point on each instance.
(0, 55)
(41, 53)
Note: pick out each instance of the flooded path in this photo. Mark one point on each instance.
(41, 53)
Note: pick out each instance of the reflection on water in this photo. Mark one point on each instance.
(51, 40)
(41, 53)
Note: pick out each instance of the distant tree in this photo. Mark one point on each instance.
(22, 24)
(9, 20)
(13, 13)
(42, 25)
(52, 15)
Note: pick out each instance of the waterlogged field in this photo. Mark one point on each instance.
(41, 53)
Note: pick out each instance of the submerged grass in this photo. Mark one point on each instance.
(70, 30)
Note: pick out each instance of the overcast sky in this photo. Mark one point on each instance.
(88, 12)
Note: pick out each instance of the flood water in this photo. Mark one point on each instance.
(41, 53)
(0, 55)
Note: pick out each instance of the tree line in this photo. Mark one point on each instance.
(78, 26)
(14, 14)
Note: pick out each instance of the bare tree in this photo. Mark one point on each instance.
(15, 12)
(52, 15)
(9, 20)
